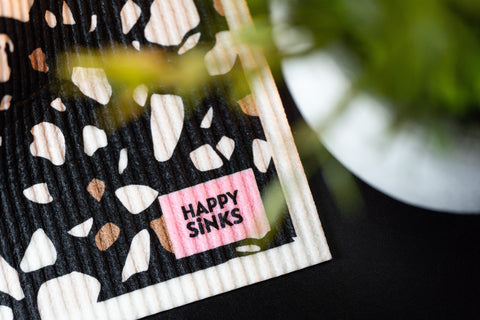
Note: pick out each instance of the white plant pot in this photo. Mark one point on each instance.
(405, 163)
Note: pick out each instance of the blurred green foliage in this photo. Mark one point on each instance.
(422, 56)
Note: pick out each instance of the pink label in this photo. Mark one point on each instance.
(214, 213)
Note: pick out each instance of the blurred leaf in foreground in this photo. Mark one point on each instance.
(422, 56)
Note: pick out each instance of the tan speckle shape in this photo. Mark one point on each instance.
(219, 7)
(249, 106)
(160, 228)
(39, 60)
(106, 236)
(96, 188)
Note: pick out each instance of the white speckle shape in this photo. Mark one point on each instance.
(221, 59)
(40, 253)
(226, 146)
(207, 120)
(93, 139)
(5, 42)
(166, 124)
(129, 15)
(138, 256)
(205, 158)
(1, 140)
(9, 281)
(82, 230)
(76, 292)
(58, 105)
(262, 154)
(48, 142)
(93, 83)
(18, 9)
(51, 19)
(140, 95)
(67, 15)
(170, 20)
(136, 44)
(93, 23)
(5, 103)
(38, 193)
(260, 236)
(248, 249)
(123, 161)
(6, 313)
(136, 198)
(190, 43)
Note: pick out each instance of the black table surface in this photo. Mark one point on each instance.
(390, 261)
